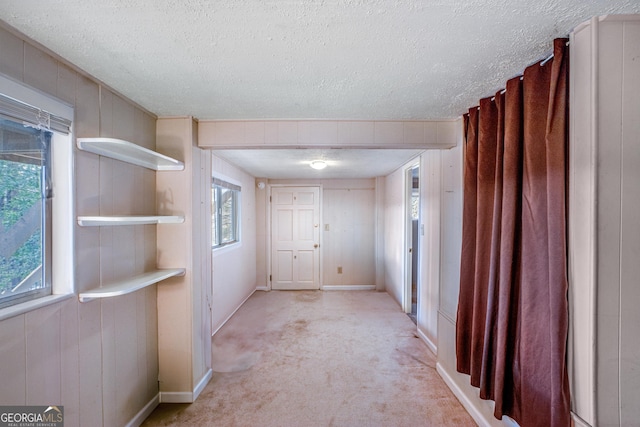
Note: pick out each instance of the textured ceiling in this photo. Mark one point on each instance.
(305, 59)
(334, 59)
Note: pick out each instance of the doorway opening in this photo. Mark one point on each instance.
(412, 233)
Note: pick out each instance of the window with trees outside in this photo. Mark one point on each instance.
(25, 196)
(225, 213)
(27, 137)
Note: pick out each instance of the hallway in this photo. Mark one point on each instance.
(313, 358)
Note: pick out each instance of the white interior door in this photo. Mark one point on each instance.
(295, 238)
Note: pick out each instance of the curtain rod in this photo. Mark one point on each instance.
(544, 61)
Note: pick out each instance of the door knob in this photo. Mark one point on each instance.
(316, 245)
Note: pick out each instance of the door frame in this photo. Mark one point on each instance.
(408, 237)
(269, 245)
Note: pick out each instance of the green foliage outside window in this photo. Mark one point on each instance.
(20, 222)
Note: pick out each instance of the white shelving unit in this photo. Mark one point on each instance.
(128, 152)
(99, 221)
(134, 154)
(130, 285)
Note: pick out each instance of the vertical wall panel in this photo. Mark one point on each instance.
(609, 54)
(14, 357)
(151, 336)
(66, 85)
(139, 389)
(581, 225)
(110, 416)
(42, 330)
(150, 232)
(40, 69)
(451, 229)
(429, 239)
(106, 114)
(331, 236)
(87, 108)
(394, 232)
(124, 119)
(630, 238)
(349, 241)
(70, 362)
(90, 363)
(201, 203)
(126, 374)
(12, 58)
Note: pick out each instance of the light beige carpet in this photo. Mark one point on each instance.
(313, 358)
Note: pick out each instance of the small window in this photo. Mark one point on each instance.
(225, 213)
(25, 212)
(35, 190)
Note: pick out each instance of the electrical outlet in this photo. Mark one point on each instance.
(326, 227)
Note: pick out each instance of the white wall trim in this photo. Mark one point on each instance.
(471, 408)
(263, 288)
(142, 415)
(348, 287)
(476, 413)
(202, 384)
(233, 312)
(186, 396)
(176, 397)
(427, 341)
(578, 422)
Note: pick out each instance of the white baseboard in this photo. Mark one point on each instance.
(349, 288)
(202, 384)
(234, 312)
(144, 412)
(176, 397)
(263, 288)
(482, 418)
(186, 396)
(428, 342)
(475, 413)
(579, 422)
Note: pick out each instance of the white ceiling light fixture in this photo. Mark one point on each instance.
(318, 164)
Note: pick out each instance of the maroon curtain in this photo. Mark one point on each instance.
(512, 319)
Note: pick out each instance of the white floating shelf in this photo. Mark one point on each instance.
(128, 152)
(130, 285)
(97, 221)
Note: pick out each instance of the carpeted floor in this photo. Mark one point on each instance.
(313, 358)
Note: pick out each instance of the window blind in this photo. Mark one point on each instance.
(15, 110)
(225, 184)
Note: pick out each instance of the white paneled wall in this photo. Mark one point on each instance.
(348, 236)
(604, 237)
(98, 359)
(234, 266)
(394, 233)
(429, 241)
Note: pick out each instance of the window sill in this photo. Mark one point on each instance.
(25, 307)
(226, 248)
